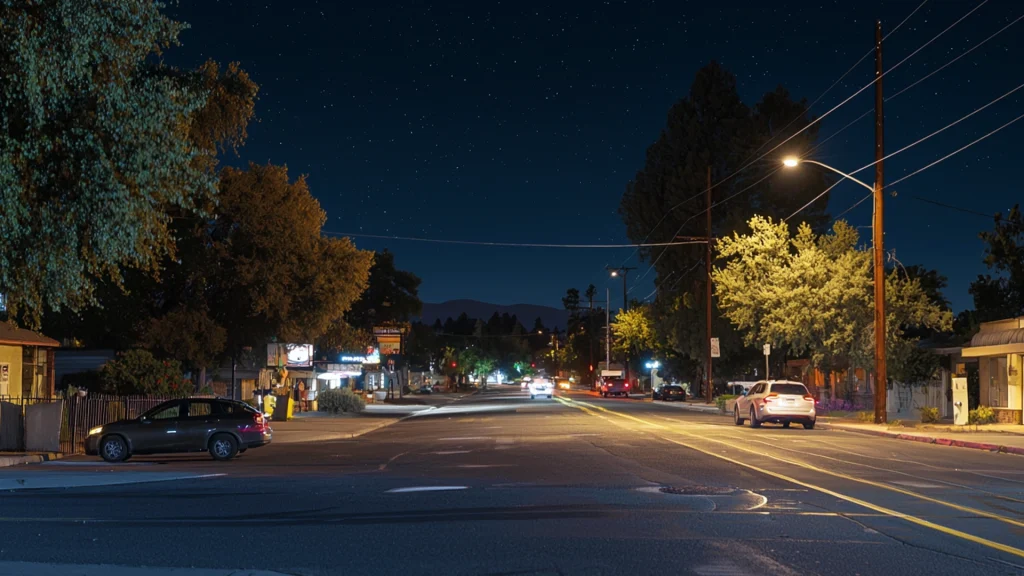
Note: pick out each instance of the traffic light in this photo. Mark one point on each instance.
(532, 365)
(454, 364)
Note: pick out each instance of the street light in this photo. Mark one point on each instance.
(878, 240)
(653, 365)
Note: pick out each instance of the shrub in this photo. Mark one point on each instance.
(867, 417)
(139, 372)
(721, 400)
(340, 400)
(929, 414)
(896, 424)
(981, 415)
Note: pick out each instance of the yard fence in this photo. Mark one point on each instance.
(79, 414)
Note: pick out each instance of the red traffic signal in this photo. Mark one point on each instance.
(454, 364)
(532, 365)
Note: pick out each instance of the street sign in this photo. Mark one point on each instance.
(767, 349)
(716, 351)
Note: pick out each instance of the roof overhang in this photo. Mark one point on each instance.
(997, 350)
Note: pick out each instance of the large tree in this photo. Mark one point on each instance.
(712, 128)
(813, 294)
(97, 146)
(392, 295)
(1001, 295)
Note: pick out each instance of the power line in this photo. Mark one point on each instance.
(506, 244)
(944, 158)
(934, 72)
(951, 207)
(907, 147)
(830, 111)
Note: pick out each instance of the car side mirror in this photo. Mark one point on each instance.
(143, 419)
(744, 393)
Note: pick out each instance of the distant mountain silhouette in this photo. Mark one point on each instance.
(526, 313)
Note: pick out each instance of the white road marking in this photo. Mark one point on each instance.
(464, 438)
(913, 484)
(447, 452)
(425, 489)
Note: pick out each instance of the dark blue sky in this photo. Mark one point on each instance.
(523, 121)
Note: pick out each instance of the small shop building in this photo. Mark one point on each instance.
(999, 349)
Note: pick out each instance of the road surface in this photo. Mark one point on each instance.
(497, 483)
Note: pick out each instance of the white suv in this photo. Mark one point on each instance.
(776, 401)
(540, 387)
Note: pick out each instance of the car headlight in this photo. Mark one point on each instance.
(95, 430)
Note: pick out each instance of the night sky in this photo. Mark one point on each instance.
(520, 121)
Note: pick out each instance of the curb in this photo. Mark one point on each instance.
(931, 440)
(688, 408)
(16, 460)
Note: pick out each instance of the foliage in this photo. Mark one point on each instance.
(895, 424)
(139, 372)
(632, 330)
(866, 417)
(1002, 296)
(391, 295)
(721, 400)
(813, 294)
(95, 145)
(929, 414)
(189, 335)
(338, 400)
(711, 126)
(981, 415)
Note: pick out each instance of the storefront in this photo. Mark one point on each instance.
(999, 348)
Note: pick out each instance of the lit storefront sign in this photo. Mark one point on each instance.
(290, 355)
(372, 356)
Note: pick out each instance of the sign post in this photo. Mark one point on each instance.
(767, 353)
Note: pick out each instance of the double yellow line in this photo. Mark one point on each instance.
(595, 410)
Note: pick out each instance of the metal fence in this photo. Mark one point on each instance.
(82, 413)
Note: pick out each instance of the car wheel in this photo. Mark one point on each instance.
(240, 450)
(753, 419)
(114, 449)
(809, 425)
(785, 424)
(736, 416)
(223, 447)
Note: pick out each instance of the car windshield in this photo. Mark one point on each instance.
(792, 389)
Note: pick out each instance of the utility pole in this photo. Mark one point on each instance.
(622, 271)
(878, 236)
(707, 265)
(590, 329)
(607, 329)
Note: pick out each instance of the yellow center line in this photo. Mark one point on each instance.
(880, 509)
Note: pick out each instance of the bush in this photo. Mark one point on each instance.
(981, 415)
(721, 400)
(866, 417)
(896, 424)
(139, 372)
(340, 400)
(929, 414)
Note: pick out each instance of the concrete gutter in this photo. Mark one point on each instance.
(987, 446)
(32, 458)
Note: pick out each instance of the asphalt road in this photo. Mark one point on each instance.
(499, 484)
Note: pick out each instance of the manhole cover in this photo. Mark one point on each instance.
(697, 490)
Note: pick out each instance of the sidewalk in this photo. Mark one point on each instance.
(310, 428)
(991, 437)
(16, 458)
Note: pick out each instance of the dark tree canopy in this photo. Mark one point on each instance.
(712, 126)
(1001, 295)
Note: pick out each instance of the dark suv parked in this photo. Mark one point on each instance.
(222, 427)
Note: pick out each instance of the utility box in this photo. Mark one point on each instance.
(960, 407)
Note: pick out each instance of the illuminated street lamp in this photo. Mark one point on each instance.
(877, 242)
(652, 366)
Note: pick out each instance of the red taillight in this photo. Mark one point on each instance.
(627, 385)
(808, 397)
(769, 397)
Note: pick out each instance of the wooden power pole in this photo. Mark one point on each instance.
(878, 237)
(707, 265)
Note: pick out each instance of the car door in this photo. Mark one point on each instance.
(744, 401)
(159, 430)
(201, 422)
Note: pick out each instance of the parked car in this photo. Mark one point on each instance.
(425, 390)
(670, 392)
(541, 387)
(614, 387)
(222, 427)
(782, 402)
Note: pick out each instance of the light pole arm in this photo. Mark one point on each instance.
(841, 173)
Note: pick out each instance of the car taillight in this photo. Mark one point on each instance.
(808, 397)
(769, 397)
(627, 384)
(261, 423)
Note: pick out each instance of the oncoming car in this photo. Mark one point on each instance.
(781, 402)
(541, 387)
(224, 428)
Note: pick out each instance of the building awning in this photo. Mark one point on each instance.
(11, 336)
(996, 343)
